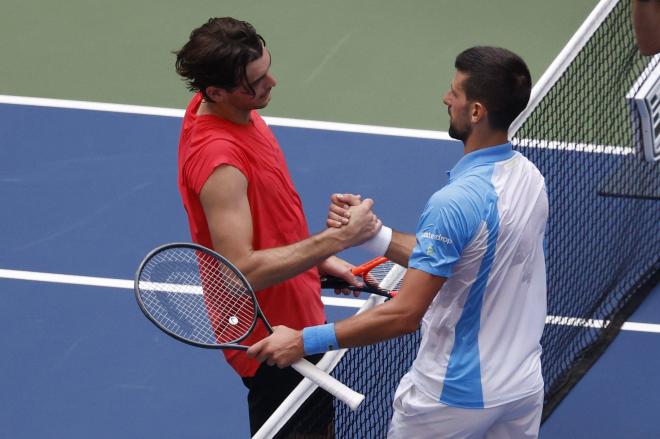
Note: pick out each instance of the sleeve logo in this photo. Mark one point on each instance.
(443, 239)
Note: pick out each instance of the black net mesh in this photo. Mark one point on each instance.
(603, 233)
(602, 238)
(374, 371)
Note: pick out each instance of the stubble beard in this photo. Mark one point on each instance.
(458, 134)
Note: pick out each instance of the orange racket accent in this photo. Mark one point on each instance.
(373, 272)
(360, 270)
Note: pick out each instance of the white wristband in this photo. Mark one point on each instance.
(379, 243)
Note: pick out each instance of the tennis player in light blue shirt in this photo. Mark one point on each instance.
(475, 281)
(495, 276)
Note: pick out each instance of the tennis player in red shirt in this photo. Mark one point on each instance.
(240, 200)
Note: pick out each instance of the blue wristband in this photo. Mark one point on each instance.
(319, 339)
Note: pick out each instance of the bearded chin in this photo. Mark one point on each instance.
(458, 134)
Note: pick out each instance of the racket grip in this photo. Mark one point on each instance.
(339, 390)
(331, 282)
(334, 283)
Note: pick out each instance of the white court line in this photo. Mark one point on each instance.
(573, 147)
(641, 327)
(273, 121)
(303, 123)
(128, 284)
(66, 279)
(91, 106)
(330, 301)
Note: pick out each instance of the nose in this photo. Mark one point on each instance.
(271, 80)
(445, 99)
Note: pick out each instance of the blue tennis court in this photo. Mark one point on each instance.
(87, 193)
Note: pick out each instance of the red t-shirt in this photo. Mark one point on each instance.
(278, 219)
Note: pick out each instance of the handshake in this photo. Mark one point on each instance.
(352, 219)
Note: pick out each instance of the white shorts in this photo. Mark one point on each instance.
(418, 416)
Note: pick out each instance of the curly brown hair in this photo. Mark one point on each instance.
(217, 54)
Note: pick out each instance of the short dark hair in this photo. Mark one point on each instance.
(499, 79)
(217, 54)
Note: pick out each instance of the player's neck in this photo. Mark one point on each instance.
(223, 111)
(480, 140)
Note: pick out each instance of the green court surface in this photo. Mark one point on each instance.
(369, 62)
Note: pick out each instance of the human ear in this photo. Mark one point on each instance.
(478, 112)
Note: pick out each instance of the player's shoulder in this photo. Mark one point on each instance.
(530, 166)
(469, 188)
(210, 133)
(212, 147)
(458, 200)
(452, 192)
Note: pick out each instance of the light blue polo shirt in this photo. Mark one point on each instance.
(484, 232)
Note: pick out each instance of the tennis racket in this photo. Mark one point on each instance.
(373, 272)
(198, 297)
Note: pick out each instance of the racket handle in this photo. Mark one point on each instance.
(334, 283)
(339, 390)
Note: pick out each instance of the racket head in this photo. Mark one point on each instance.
(381, 277)
(196, 296)
(375, 274)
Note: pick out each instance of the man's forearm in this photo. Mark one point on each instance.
(382, 322)
(265, 268)
(394, 318)
(400, 248)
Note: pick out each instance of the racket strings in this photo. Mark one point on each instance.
(375, 276)
(230, 305)
(166, 299)
(195, 296)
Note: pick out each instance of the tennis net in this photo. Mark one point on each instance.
(603, 234)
